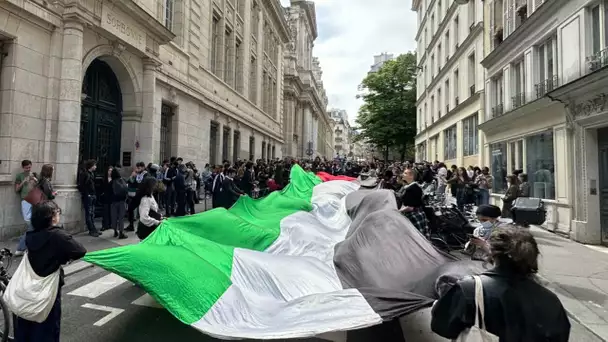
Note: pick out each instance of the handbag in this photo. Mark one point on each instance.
(29, 295)
(477, 332)
(35, 195)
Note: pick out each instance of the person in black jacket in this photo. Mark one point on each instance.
(411, 200)
(49, 247)
(86, 186)
(247, 183)
(169, 178)
(179, 184)
(216, 187)
(517, 307)
(230, 191)
(118, 192)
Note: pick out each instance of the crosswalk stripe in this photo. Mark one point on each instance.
(148, 301)
(75, 267)
(99, 286)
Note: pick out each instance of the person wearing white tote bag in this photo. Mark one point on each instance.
(505, 303)
(34, 292)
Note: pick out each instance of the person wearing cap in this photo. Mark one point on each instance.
(488, 215)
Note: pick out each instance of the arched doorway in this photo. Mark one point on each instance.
(101, 116)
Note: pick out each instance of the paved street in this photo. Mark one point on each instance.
(100, 306)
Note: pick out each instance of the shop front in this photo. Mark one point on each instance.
(533, 139)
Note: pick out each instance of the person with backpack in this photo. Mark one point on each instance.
(119, 193)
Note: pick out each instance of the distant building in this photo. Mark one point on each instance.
(379, 61)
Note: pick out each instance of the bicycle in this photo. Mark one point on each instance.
(6, 326)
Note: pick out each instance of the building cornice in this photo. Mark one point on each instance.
(544, 16)
(155, 27)
(476, 31)
(462, 105)
(278, 16)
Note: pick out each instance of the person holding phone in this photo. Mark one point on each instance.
(24, 182)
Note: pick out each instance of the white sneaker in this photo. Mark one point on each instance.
(19, 253)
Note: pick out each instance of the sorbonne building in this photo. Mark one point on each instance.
(136, 80)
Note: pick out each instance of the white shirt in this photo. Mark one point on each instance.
(442, 174)
(147, 204)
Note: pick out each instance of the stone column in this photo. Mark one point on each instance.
(149, 135)
(230, 155)
(70, 88)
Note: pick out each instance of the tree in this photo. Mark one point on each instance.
(387, 117)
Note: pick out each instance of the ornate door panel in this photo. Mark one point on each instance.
(101, 117)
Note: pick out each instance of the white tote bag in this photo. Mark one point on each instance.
(30, 296)
(477, 333)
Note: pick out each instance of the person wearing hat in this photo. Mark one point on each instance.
(488, 215)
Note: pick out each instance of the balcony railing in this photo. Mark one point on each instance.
(546, 86)
(518, 100)
(456, 101)
(447, 109)
(439, 114)
(498, 110)
(598, 60)
(472, 90)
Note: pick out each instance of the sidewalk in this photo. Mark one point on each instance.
(578, 274)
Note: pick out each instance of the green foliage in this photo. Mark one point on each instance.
(387, 117)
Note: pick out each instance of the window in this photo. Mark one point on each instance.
(447, 96)
(432, 67)
(472, 11)
(447, 45)
(420, 120)
(439, 103)
(471, 71)
(169, 12)
(228, 58)
(213, 137)
(449, 140)
(547, 68)
(517, 156)
(439, 12)
(439, 56)
(470, 136)
(253, 80)
(255, 19)
(240, 8)
(432, 109)
(456, 29)
(265, 92)
(215, 46)
(519, 79)
(540, 165)
(426, 114)
(456, 90)
(166, 120)
(497, 96)
(432, 24)
(238, 66)
(251, 148)
(498, 166)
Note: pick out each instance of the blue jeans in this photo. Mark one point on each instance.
(26, 212)
(88, 203)
(483, 196)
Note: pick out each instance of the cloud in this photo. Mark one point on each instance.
(351, 32)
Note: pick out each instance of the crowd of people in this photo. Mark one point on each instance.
(153, 192)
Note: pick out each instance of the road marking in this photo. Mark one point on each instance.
(99, 286)
(75, 267)
(148, 301)
(113, 312)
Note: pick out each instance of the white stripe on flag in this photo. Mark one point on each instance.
(292, 289)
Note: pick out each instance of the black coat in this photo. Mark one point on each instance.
(230, 193)
(517, 309)
(48, 249)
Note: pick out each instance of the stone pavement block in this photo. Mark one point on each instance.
(579, 276)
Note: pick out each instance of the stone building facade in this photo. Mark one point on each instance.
(307, 127)
(138, 80)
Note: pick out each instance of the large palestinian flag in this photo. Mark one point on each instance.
(313, 258)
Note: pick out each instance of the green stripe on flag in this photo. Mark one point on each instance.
(186, 263)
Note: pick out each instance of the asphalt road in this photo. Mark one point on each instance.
(99, 306)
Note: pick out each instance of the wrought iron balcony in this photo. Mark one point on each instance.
(498, 110)
(598, 60)
(546, 86)
(518, 100)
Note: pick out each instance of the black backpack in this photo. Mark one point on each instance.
(120, 188)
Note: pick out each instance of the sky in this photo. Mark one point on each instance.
(351, 32)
